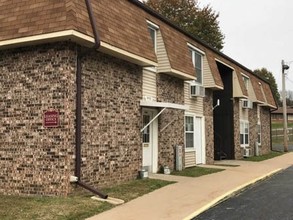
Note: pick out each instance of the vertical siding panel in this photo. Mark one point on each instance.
(208, 79)
(195, 103)
(163, 60)
(149, 84)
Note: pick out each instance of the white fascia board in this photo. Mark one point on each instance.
(163, 105)
(182, 74)
(50, 37)
(220, 61)
(123, 54)
(77, 37)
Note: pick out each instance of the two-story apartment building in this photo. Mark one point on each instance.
(100, 90)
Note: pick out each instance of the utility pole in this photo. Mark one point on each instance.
(284, 67)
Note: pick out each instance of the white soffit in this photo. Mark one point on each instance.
(163, 105)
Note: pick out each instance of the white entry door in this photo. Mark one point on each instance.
(150, 141)
(198, 137)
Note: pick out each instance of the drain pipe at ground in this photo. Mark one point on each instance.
(80, 55)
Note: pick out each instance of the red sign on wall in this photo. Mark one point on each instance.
(51, 119)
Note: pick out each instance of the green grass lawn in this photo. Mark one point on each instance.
(276, 125)
(77, 206)
(270, 155)
(196, 171)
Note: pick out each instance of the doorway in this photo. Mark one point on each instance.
(150, 141)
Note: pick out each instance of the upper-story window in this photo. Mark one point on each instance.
(246, 81)
(197, 63)
(153, 30)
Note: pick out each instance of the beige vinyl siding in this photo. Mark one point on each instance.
(149, 84)
(208, 79)
(263, 93)
(195, 104)
(190, 159)
(243, 112)
(251, 93)
(237, 92)
(163, 60)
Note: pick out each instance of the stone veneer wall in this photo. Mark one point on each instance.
(111, 123)
(34, 159)
(209, 126)
(252, 118)
(265, 130)
(170, 89)
(237, 149)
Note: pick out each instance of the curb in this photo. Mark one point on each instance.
(229, 194)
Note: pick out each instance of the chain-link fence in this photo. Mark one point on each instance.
(278, 138)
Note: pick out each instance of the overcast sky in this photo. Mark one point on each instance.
(258, 33)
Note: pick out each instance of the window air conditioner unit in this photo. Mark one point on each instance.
(246, 152)
(247, 104)
(197, 90)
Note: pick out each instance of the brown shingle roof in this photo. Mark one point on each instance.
(26, 18)
(121, 23)
(214, 69)
(269, 95)
(257, 88)
(280, 110)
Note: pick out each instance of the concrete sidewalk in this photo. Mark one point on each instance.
(191, 196)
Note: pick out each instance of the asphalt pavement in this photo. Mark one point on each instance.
(271, 199)
(190, 197)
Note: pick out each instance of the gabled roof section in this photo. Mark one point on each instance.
(214, 69)
(28, 18)
(177, 50)
(26, 22)
(122, 25)
(257, 89)
(269, 95)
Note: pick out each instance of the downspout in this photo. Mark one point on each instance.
(78, 134)
(93, 24)
(271, 132)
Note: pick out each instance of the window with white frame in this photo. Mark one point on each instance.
(246, 81)
(153, 33)
(258, 128)
(244, 133)
(189, 132)
(197, 63)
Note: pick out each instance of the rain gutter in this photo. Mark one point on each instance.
(78, 134)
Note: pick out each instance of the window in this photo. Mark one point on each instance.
(197, 63)
(153, 33)
(146, 132)
(244, 133)
(258, 128)
(246, 81)
(189, 132)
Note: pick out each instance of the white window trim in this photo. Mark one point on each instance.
(259, 133)
(225, 64)
(156, 28)
(189, 149)
(248, 80)
(245, 122)
(245, 75)
(189, 114)
(194, 50)
(152, 24)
